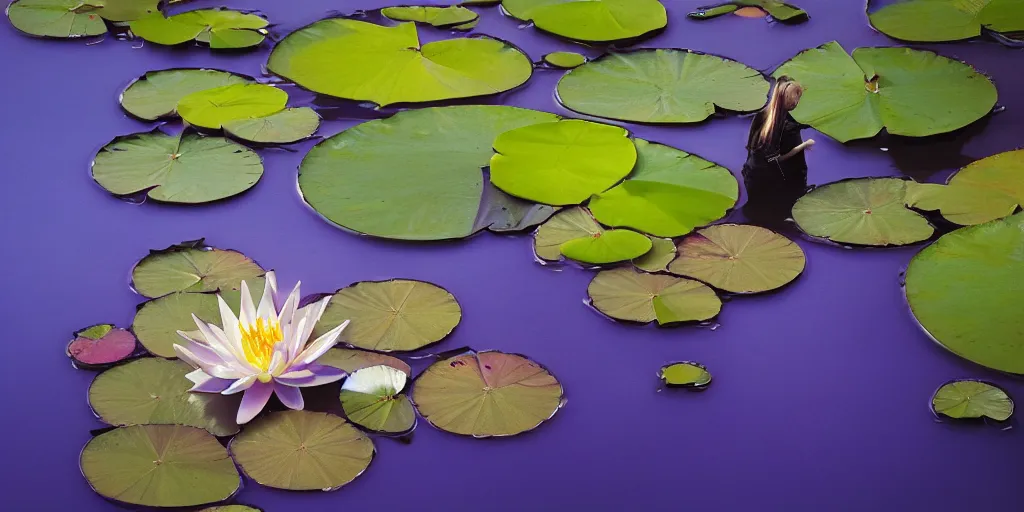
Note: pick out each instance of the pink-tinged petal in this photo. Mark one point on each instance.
(278, 360)
(215, 338)
(221, 372)
(295, 343)
(247, 313)
(287, 316)
(314, 375)
(315, 311)
(321, 345)
(230, 322)
(202, 351)
(253, 401)
(203, 383)
(266, 309)
(240, 385)
(290, 397)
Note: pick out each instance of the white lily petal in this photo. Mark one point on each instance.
(219, 371)
(247, 313)
(294, 344)
(287, 315)
(277, 363)
(267, 310)
(321, 345)
(202, 351)
(374, 379)
(216, 340)
(230, 322)
(240, 385)
(314, 317)
(197, 376)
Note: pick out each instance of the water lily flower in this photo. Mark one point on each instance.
(261, 352)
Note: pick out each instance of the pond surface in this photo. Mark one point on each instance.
(821, 391)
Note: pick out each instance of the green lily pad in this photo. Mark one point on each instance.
(431, 15)
(183, 168)
(371, 399)
(285, 127)
(899, 89)
(591, 20)
(964, 290)
(487, 394)
(739, 258)
(220, 28)
(668, 194)
(193, 267)
(386, 65)
(159, 466)
(302, 451)
(100, 346)
(962, 399)
(126, 10)
(566, 225)
(609, 246)
(947, 20)
(436, 153)
(57, 18)
(351, 360)
(153, 391)
(395, 315)
(561, 163)
(686, 374)
(625, 294)
(231, 508)
(866, 211)
(988, 189)
(157, 93)
(662, 86)
(467, 26)
(778, 10)
(662, 252)
(158, 321)
(565, 60)
(212, 108)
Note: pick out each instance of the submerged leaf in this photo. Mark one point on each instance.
(157, 93)
(485, 394)
(159, 466)
(739, 258)
(686, 374)
(507, 213)
(101, 345)
(564, 226)
(610, 246)
(625, 294)
(302, 450)
(432, 15)
(371, 399)
(591, 20)
(865, 211)
(287, 126)
(972, 399)
(193, 269)
(213, 108)
(57, 18)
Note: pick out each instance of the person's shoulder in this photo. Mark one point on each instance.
(792, 123)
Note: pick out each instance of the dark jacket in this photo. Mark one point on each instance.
(764, 159)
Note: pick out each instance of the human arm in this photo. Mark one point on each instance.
(795, 151)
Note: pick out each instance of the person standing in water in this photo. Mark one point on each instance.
(775, 174)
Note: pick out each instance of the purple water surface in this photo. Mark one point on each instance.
(820, 393)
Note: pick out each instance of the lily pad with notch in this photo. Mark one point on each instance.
(193, 267)
(595, 21)
(663, 251)
(156, 94)
(686, 374)
(213, 108)
(985, 190)
(61, 19)
(566, 225)
(285, 127)
(436, 16)
(219, 28)
(739, 258)
(947, 20)
(972, 399)
(628, 295)
(100, 346)
(371, 398)
(608, 246)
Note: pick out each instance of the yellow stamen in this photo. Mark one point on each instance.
(258, 342)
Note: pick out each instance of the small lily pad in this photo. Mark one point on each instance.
(739, 258)
(779, 10)
(220, 28)
(192, 267)
(57, 18)
(625, 294)
(565, 60)
(591, 20)
(371, 399)
(212, 108)
(157, 93)
(662, 86)
(431, 15)
(486, 394)
(566, 225)
(865, 211)
(988, 189)
(153, 391)
(184, 168)
(159, 466)
(395, 315)
(285, 127)
(302, 451)
(351, 360)
(663, 251)
(962, 399)
(100, 346)
(609, 246)
(947, 20)
(561, 163)
(686, 375)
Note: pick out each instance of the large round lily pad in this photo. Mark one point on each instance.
(563, 162)
(184, 168)
(486, 394)
(625, 294)
(154, 391)
(395, 315)
(963, 399)
(866, 211)
(965, 290)
(100, 346)
(591, 20)
(431, 15)
(908, 92)
(287, 126)
(947, 20)
(352, 360)
(220, 28)
(156, 94)
(739, 258)
(193, 267)
(662, 86)
(668, 194)
(361, 61)
(159, 466)
(302, 451)
(436, 154)
(371, 399)
(57, 18)
(988, 189)
(608, 246)
(212, 108)
(566, 225)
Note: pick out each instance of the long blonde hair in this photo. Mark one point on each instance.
(785, 97)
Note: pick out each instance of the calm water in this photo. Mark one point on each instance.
(820, 393)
